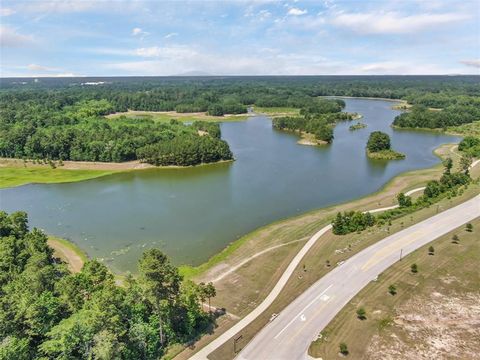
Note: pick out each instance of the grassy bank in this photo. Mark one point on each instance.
(166, 116)
(11, 176)
(403, 325)
(385, 155)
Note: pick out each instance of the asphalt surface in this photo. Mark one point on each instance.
(290, 334)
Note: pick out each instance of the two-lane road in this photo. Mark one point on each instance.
(290, 334)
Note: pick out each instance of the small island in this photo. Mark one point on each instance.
(357, 126)
(379, 147)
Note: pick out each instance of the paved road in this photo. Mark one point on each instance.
(203, 353)
(290, 334)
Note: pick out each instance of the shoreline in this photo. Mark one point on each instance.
(194, 271)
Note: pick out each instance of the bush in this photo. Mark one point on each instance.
(392, 289)
(414, 268)
(361, 313)
(343, 348)
(352, 221)
(431, 250)
(469, 227)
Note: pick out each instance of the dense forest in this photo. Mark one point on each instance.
(51, 118)
(317, 118)
(46, 312)
(79, 132)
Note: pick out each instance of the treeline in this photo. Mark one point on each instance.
(470, 145)
(77, 132)
(420, 116)
(46, 312)
(449, 185)
(318, 118)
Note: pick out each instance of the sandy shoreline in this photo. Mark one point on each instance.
(95, 165)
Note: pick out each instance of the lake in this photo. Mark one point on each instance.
(193, 213)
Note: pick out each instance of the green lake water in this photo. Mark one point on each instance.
(193, 213)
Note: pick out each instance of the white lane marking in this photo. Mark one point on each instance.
(303, 310)
(324, 297)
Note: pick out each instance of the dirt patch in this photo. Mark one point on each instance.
(437, 327)
(73, 260)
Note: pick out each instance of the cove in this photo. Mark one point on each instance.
(193, 213)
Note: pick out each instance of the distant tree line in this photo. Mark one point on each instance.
(46, 312)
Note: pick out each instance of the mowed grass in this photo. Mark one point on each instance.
(451, 271)
(17, 176)
(166, 116)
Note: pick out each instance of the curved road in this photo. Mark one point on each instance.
(203, 353)
(290, 334)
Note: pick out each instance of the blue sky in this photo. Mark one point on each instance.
(324, 37)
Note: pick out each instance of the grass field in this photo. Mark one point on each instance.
(434, 313)
(12, 176)
(276, 111)
(166, 116)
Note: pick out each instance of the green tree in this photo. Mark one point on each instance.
(431, 250)
(404, 200)
(455, 239)
(378, 141)
(469, 227)
(465, 163)
(414, 268)
(447, 164)
(160, 282)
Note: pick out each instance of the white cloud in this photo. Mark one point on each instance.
(60, 6)
(171, 52)
(399, 68)
(471, 63)
(393, 22)
(168, 36)
(297, 12)
(6, 12)
(35, 67)
(11, 38)
(138, 32)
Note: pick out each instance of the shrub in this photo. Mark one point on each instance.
(343, 348)
(414, 268)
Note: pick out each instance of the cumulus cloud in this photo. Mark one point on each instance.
(297, 12)
(138, 32)
(11, 38)
(471, 63)
(393, 22)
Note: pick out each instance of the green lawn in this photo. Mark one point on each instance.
(472, 129)
(17, 176)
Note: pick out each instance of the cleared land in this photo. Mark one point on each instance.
(434, 313)
(165, 116)
(276, 111)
